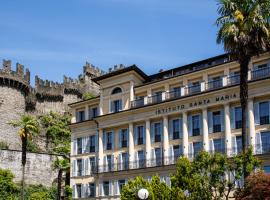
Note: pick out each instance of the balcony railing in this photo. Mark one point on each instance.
(194, 89)
(260, 149)
(155, 99)
(137, 103)
(260, 73)
(211, 85)
(173, 94)
(234, 79)
(198, 88)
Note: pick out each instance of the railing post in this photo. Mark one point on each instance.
(249, 75)
(224, 81)
(203, 86)
(183, 91)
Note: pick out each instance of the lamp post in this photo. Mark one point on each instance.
(143, 194)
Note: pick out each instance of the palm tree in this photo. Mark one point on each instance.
(244, 32)
(28, 127)
(62, 165)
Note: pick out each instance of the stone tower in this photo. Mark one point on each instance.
(18, 97)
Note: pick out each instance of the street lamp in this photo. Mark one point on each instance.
(143, 194)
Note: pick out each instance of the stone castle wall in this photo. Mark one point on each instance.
(38, 168)
(12, 105)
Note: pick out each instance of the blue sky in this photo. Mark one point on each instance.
(57, 37)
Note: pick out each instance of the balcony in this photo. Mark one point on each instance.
(137, 103)
(201, 87)
(194, 89)
(260, 73)
(215, 84)
(233, 80)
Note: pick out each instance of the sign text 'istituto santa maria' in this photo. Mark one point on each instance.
(195, 104)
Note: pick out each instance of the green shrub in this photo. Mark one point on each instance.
(88, 95)
(4, 145)
(8, 189)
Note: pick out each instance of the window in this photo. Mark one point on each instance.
(124, 161)
(121, 184)
(195, 125)
(239, 143)
(106, 188)
(157, 97)
(123, 138)
(176, 129)
(141, 159)
(80, 116)
(262, 66)
(177, 92)
(117, 90)
(197, 147)
(116, 105)
(92, 190)
(194, 87)
(94, 112)
(92, 164)
(264, 112)
(216, 122)
(265, 138)
(79, 190)
(92, 143)
(177, 149)
(109, 162)
(79, 167)
(158, 155)
(238, 117)
(79, 146)
(140, 132)
(219, 145)
(109, 141)
(157, 132)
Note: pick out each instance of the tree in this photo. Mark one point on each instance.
(156, 188)
(208, 176)
(28, 128)
(58, 136)
(8, 189)
(244, 32)
(257, 187)
(61, 164)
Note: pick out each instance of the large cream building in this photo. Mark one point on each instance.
(140, 124)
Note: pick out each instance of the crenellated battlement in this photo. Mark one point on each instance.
(92, 71)
(116, 68)
(19, 79)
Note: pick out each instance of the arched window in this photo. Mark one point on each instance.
(117, 90)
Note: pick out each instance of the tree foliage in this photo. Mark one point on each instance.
(8, 189)
(88, 95)
(257, 187)
(208, 176)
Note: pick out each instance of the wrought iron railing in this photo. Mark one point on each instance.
(211, 85)
(156, 98)
(233, 80)
(260, 73)
(173, 94)
(194, 89)
(137, 103)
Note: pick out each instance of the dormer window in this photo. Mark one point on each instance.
(117, 90)
(116, 105)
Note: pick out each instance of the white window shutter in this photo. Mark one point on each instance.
(120, 161)
(116, 186)
(136, 134)
(171, 155)
(137, 159)
(258, 143)
(105, 164)
(168, 181)
(232, 117)
(74, 168)
(190, 125)
(210, 121)
(110, 188)
(104, 140)
(96, 142)
(83, 190)
(83, 144)
(161, 131)
(101, 190)
(143, 131)
(121, 104)
(234, 145)
(119, 139)
(112, 140)
(83, 167)
(256, 113)
(152, 131)
(222, 119)
(86, 166)
(200, 123)
(171, 129)
(181, 128)
(190, 150)
(74, 191)
(75, 147)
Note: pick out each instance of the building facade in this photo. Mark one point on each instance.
(140, 124)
